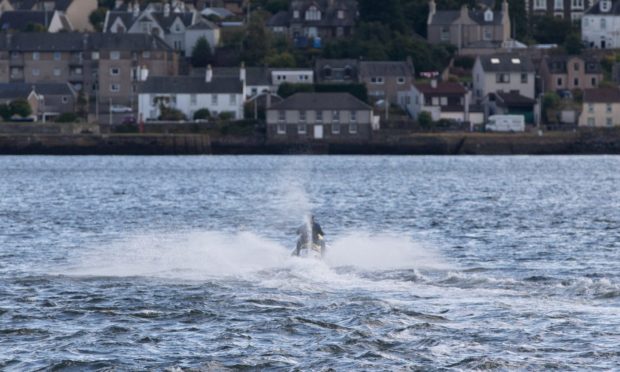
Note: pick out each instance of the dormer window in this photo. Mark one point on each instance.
(603, 23)
(313, 14)
(341, 14)
(605, 5)
(488, 15)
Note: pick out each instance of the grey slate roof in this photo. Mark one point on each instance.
(447, 17)
(514, 99)
(9, 91)
(329, 13)
(165, 22)
(602, 95)
(254, 75)
(441, 88)
(596, 9)
(76, 41)
(203, 24)
(321, 101)
(557, 64)
(19, 19)
(191, 85)
(280, 19)
(506, 64)
(385, 68)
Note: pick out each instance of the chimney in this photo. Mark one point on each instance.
(432, 9)
(434, 83)
(209, 74)
(242, 72)
(136, 9)
(464, 11)
(505, 8)
(144, 73)
(167, 9)
(118, 4)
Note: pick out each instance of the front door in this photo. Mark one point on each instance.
(318, 132)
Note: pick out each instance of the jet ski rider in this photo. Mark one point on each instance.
(317, 235)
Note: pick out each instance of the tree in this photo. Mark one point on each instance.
(203, 113)
(287, 89)
(551, 30)
(5, 112)
(97, 17)
(425, 120)
(35, 27)
(67, 117)
(256, 42)
(201, 53)
(573, 44)
(281, 60)
(172, 114)
(20, 107)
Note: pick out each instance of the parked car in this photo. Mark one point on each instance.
(120, 108)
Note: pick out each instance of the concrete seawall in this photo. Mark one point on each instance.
(583, 142)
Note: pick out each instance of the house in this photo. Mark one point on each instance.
(565, 9)
(190, 94)
(28, 20)
(469, 28)
(280, 76)
(47, 100)
(510, 103)
(600, 25)
(385, 79)
(560, 72)
(315, 19)
(104, 66)
(600, 108)
(328, 117)
(76, 12)
(335, 71)
(503, 73)
(442, 100)
(257, 79)
(177, 26)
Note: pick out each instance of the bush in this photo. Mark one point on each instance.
(465, 62)
(20, 107)
(425, 120)
(67, 117)
(226, 116)
(203, 113)
(171, 114)
(5, 112)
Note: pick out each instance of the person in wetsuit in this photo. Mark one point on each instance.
(316, 233)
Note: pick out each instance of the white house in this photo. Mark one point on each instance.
(190, 94)
(503, 73)
(442, 100)
(291, 75)
(600, 26)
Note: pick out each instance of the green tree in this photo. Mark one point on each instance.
(201, 53)
(5, 112)
(281, 60)
(34, 27)
(387, 12)
(425, 120)
(551, 30)
(573, 44)
(20, 107)
(256, 42)
(203, 113)
(168, 113)
(67, 117)
(97, 17)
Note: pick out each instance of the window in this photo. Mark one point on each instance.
(115, 87)
(296, 14)
(593, 81)
(313, 14)
(590, 108)
(524, 78)
(353, 128)
(341, 14)
(445, 34)
(540, 4)
(214, 99)
(488, 33)
(591, 122)
(233, 99)
(609, 122)
(78, 71)
(319, 116)
(281, 128)
(302, 116)
(558, 4)
(36, 56)
(577, 4)
(95, 56)
(192, 99)
(576, 66)
(488, 15)
(603, 23)
(608, 107)
(353, 117)
(335, 116)
(57, 72)
(576, 82)
(376, 80)
(502, 78)
(36, 72)
(301, 128)
(559, 81)
(335, 128)
(443, 101)
(56, 56)
(114, 71)
(146, 54)
(435, 101)
(115, 54)
(400, 81)
(281, 115)
(65, 99)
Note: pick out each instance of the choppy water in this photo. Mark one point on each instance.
(434, 263)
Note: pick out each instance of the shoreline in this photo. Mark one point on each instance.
(442, 143)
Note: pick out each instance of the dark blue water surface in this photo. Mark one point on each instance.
(461, 263)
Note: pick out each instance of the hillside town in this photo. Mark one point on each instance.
(309, 71)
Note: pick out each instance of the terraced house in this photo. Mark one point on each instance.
(107, 66)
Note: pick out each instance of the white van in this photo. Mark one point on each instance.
(506, 123)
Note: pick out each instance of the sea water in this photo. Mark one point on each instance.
(433, 263)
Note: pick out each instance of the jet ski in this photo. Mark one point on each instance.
(310, 249)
